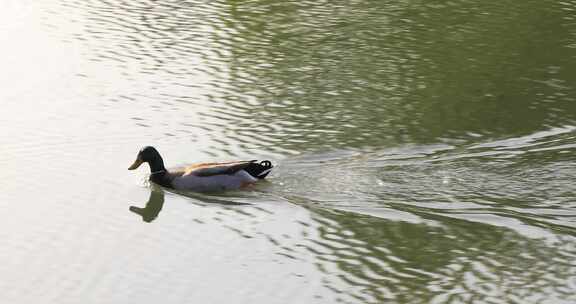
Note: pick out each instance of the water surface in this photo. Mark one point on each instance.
(424, 151)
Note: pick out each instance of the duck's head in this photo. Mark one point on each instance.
(148, 155)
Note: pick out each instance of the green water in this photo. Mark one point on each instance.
(424, 151)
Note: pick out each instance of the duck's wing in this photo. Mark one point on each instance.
(211, 169)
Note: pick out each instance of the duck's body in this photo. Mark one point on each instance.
(204, 177)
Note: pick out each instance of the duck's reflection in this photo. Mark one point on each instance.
(156, 202)
(153, 206)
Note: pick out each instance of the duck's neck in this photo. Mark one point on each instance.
(158, 173)
(157, 165)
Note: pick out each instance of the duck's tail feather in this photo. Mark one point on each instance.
(259, 170)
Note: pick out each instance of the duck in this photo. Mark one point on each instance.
(203, 177)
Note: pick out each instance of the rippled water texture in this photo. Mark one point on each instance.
(424, 150)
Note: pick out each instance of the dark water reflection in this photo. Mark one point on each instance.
(444, 224)
(454, 262)
(378, 73)
(157, 197)
(153, 206)
(425, 151)
(296, 76)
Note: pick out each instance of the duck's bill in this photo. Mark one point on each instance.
(136, 164)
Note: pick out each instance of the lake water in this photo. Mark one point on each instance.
(425, 151)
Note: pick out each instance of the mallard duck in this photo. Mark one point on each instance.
(203, 177)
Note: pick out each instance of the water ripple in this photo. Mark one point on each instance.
(424, 150)
(524, 185)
